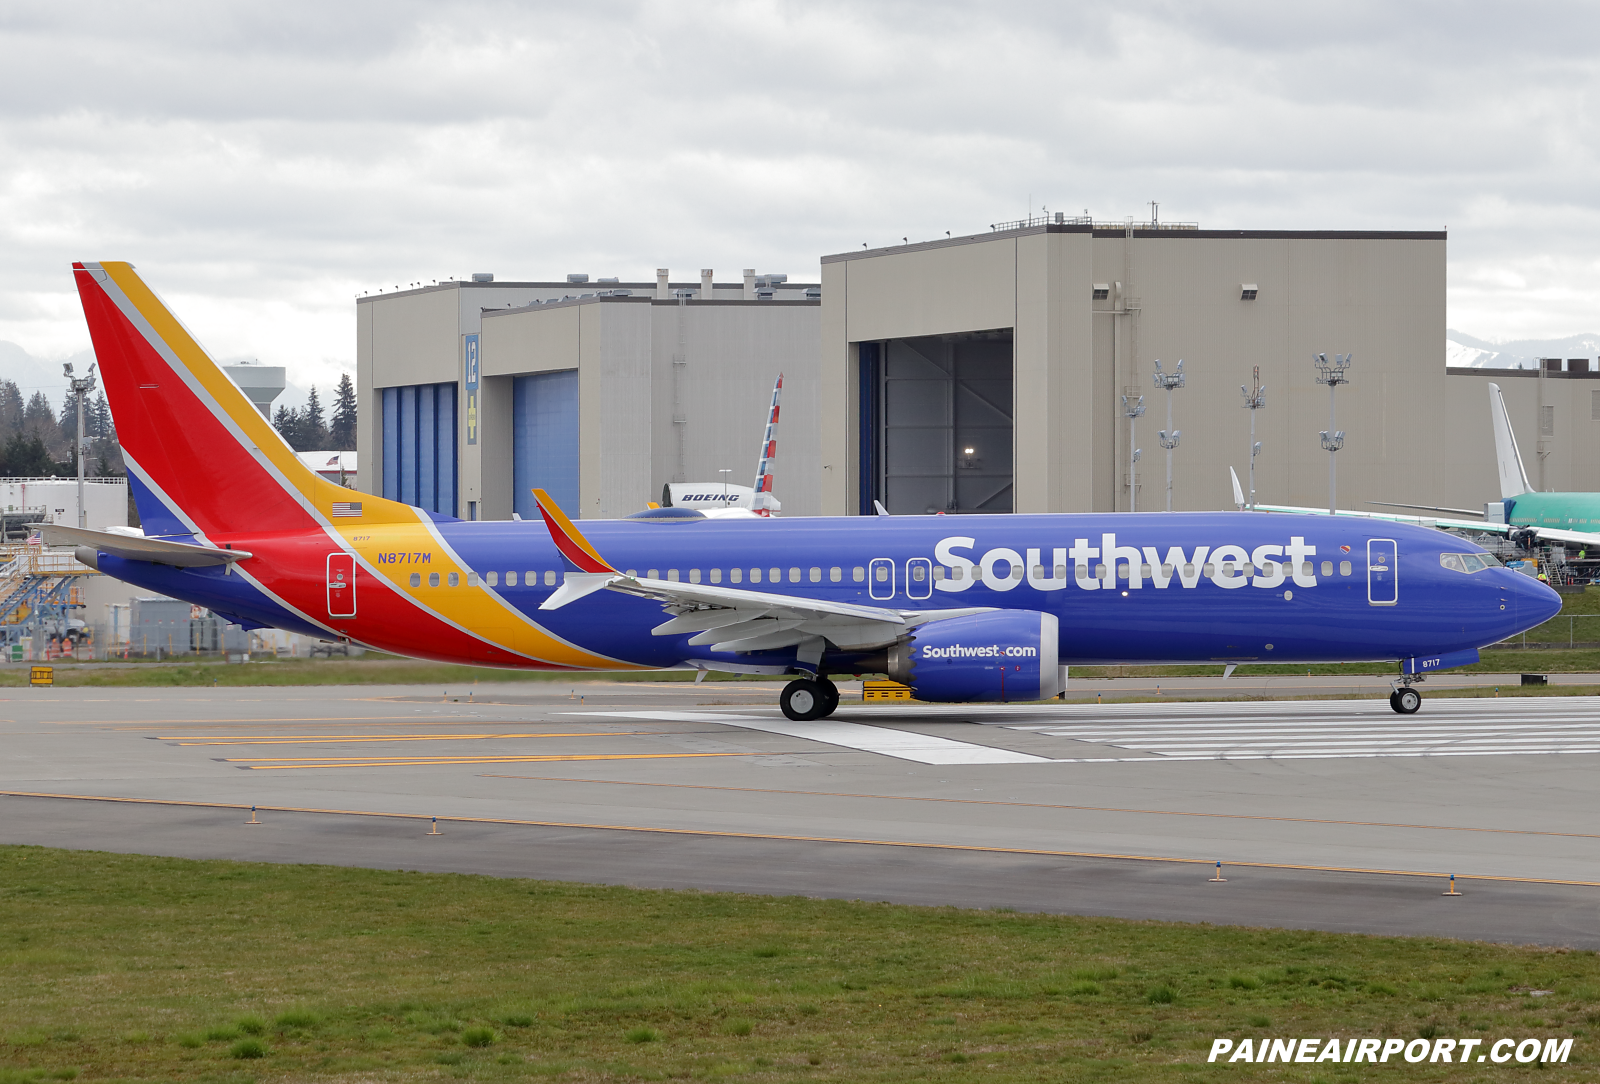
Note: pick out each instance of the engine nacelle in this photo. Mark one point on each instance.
(1002, 655)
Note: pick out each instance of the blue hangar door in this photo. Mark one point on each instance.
(544, 441)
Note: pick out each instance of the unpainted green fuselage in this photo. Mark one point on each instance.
(1567, 511)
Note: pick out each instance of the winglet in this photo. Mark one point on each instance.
(573, 546)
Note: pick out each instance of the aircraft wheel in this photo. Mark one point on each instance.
(803, 700)
(831, 692)
(1406, 701)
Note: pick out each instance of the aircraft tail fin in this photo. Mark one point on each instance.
(764, 501)
(202, 460)
(1513, 475)
(1238, 490)
(568, 539)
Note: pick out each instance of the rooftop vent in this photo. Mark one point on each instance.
(764, 293)
(577, 278)
(482, 276)
(770, 280)
(1102, 290)
(813, 293)
(613, 278)
(682, 293)
(1247, 291)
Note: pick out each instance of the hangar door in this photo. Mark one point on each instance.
(544, 441)
(940, 409)
(419, 446)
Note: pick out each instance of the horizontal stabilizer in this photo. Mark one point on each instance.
(130, 548)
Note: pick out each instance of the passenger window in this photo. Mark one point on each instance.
(938, 572)
(736, 575)
(858, 574)
(416, 579)
(655, 574)
(433, 579)
(1061, 572)
(1038, 572)
(716, 575)
(550, 577)
(755, 575)
(1344, 568)
(633, 572)
(919, 573)
(1209, 570)
(835, 574)
(455, 579)
(493, 578)
(672, 574)
(1453, 562)
(511, 579)
(1083, 572)
(1099, 571)
(881, 573)
(816, 575)
(794, 575)
(694, 575)
(774, 575)
(1305, 569)
(1167, 570)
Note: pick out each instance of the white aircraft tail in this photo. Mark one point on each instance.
(1513, 476)
(1238, 490)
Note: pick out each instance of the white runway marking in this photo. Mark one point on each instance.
(920, 748)
(1335, 729)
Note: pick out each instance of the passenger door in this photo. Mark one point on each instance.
(341, 585)
(919, 578)
(1383, 584)
(880, 578)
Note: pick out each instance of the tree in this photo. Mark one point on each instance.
(11, 408)
(287, 423)
(314, 431)
(342, 433)
(26, 457)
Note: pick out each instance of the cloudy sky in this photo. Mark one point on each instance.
(265, 163)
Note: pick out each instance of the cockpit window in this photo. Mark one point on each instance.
(1468, 562)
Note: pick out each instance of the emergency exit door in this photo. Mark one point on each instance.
(341, 585)
(1383, 585)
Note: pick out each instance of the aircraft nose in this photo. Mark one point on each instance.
(1536, 603)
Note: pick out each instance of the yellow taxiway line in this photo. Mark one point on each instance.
(709, 833)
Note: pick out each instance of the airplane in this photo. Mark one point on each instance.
(721, 500)
(960, 608)
(1529, 517)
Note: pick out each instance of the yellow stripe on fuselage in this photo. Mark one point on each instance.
(395, 551)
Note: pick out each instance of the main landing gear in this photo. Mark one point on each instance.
(1405, 699)
(809, 698)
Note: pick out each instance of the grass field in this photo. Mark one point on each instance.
(134, 968)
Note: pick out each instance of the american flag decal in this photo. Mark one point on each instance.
(346, 508)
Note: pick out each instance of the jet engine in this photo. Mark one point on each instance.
(1001, 655)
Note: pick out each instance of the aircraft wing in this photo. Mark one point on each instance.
(1544, 534)
(734, 619)
(728, 618)
(133, 548)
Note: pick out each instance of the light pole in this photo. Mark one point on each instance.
(1169, 436)
(1332, 373)
(81, 386)
(1255, 397)
(1133, 408)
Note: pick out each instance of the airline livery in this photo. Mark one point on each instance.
(960, 608)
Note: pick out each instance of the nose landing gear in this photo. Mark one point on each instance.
(809, 698)
(1405, 700)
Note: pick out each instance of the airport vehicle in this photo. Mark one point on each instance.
(720, 499)
(959, 608)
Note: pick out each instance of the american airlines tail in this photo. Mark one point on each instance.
(202, 461)
(1513, 476)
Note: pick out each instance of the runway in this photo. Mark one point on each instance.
(1325, 814)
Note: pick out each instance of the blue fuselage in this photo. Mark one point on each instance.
(1134, 588)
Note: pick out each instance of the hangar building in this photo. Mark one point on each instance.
(980, 373)
(472, 393)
